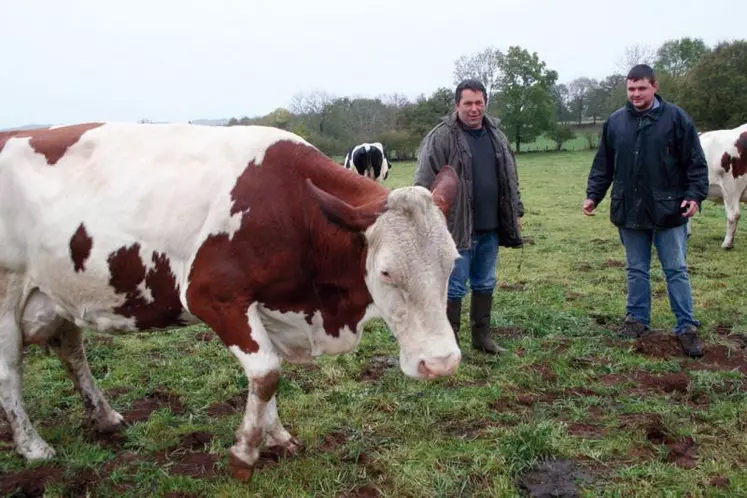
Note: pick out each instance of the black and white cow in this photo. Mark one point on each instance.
(368, 159)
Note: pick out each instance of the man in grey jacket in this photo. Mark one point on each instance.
(488, 209)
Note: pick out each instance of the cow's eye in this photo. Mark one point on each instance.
(386, 276)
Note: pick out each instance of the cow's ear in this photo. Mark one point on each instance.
(444, 188)
(339, 212)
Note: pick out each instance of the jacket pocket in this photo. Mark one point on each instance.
(666, 209)
(617, 207)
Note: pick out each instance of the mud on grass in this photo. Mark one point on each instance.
(621, 418)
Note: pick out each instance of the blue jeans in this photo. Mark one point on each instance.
(476, 264)
(671, 247)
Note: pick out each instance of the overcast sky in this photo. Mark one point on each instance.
(173, 60)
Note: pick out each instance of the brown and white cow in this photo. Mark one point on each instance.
(726, 153)
(250, 230)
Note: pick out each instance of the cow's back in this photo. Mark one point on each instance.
(122, 210)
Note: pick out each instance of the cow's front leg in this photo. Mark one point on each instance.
(246, 337)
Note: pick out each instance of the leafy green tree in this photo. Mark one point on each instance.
(713, 92)
(525, 101)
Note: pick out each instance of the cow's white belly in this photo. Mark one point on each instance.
(298, 341)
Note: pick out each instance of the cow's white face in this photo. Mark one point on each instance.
(410, 257)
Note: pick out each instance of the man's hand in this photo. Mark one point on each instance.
(589, 207)
(689, 208)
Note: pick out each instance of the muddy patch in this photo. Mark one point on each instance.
(366, 491)
(519, 286)
(586, 431)
(333, 441)
(30, 482)
(144, 407)
(557, 478)
(378, 366)
(116, 392)
(716, 357)
(466, 429)
(613, 263)
(507, 332)
(205, 336)
(583, 267)
(681, 451)
(720, 482)
(188, 458)
(235, 404)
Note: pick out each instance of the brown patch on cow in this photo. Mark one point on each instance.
(265, 387)
(736, 164)
(80, 248)
(51, 143)
(144, 407)
(290, 258)
(127, 271)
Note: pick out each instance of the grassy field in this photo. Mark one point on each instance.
(570, 403)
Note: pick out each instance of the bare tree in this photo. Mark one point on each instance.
(636, 54)
(313, 102)
(484, 66)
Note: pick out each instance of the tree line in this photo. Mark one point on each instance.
(708, 82)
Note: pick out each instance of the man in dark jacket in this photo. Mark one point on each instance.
(488, 209)
(650, 153)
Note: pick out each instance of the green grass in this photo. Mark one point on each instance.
(568, 390)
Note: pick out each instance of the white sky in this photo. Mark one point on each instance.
(166, 60)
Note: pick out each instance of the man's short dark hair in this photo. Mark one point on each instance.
(470, 84)
(642, 71)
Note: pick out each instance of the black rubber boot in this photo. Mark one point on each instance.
(454, 314)
(480, 316)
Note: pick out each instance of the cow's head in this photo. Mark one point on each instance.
(408, 262)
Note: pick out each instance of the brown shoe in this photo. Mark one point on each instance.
(632, 328)
(690, 342)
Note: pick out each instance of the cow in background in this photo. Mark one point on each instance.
(726, 153)
(368, 159)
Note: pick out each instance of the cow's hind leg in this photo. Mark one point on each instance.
(42, 325)
(68, 344)
(27, 440)
(732, 219)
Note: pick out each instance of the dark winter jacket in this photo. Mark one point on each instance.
(447, 144)
(654, 161)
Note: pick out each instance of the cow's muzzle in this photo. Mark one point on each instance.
(439, 366)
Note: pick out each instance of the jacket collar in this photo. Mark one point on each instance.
(654, 112)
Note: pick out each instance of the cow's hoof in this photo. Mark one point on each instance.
(288, 449)
(240, 469)
(110, 424)
(38, 451)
